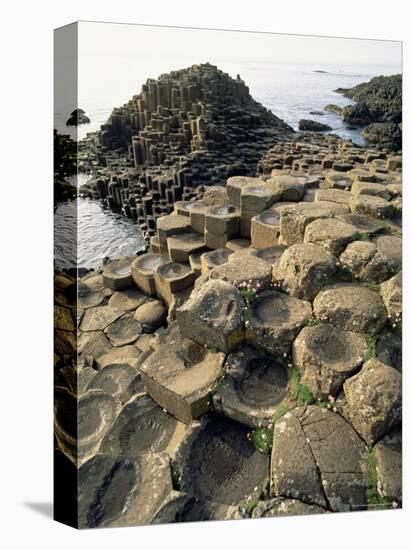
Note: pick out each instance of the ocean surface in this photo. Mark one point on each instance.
(290, 91)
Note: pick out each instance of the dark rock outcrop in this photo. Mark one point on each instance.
(378, 103)
(77, 117)
(313, 126)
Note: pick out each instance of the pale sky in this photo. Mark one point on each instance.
(115, 59)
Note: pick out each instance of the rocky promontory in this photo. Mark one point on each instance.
(378, 107)
(183, 132)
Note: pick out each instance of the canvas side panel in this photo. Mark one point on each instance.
(65, 275)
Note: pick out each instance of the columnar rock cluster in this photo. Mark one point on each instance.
(249, 364)
(187, 130)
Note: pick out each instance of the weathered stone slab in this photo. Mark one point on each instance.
(180, 508)
(350, 307)
(116, 356)
(274, 320)
(333, 195)
(179, 376)
(116, 492)
(141, 427)
(222, 220)
(365, 225)
(127, 300)
(319, 459)
(253, 388)
(219, 464)
(151, 315)
(98, 318)
(123, 331)
(303, 269)
(374, 397)
(280, 506)
(216, 195)
(326, 357)
(391, 292)
(119, 381)
(213, 316)
(271, 254)
(197, 216)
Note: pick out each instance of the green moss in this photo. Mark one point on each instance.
(371, 343)
(363, 236)
(281, 410)
(300, 393)
(373, 497)
(372, 286)
(219, 379)
(262, 439)
(312, 322)
(248, 294)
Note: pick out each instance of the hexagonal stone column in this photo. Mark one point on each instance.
(333, 195)
(172, 224)
(213, 316)
(303, 269)
(235, 184)
(179, 376)
(253, 388)
(248, 268)
(332, 234)
(197, 216)
(319, 459)
(212, 259)
(374, 397)
(221, 225)
(265, 229)
(118, 274)
(326, 357)
(350, 307)
(273, 321)
(290, 188)
(373, 261)
(219, 464)
(376, 207)
(172, 277)
(181, 246)
(294, 219)
(280, 506)
(143, 270)
(116, 492)
(254, 199)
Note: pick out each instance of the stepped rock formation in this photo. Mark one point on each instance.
(214, 384)
(186, 130)
(379, 108)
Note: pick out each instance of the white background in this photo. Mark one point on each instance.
(26, 269)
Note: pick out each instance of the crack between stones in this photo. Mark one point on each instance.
(317, 467)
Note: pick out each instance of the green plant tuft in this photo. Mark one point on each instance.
(375, 501)
(262, 439)
(371, 343)
(300, 393)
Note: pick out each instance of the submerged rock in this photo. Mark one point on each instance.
(313, 126)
